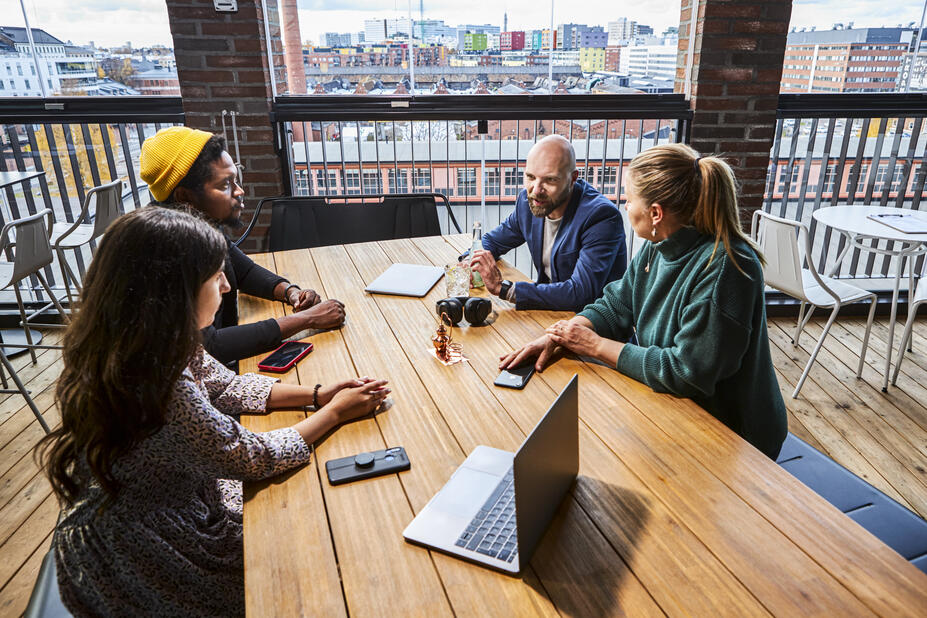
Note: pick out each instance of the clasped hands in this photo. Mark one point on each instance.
(316, 312)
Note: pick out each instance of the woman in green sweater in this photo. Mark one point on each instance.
(693, 295)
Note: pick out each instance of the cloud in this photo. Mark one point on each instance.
(145, 22)
(864, 13)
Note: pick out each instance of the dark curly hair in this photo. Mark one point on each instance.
(133, 335)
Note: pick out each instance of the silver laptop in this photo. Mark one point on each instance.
(406, 280)
(497, 504)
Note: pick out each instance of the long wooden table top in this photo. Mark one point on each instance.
(672, 513)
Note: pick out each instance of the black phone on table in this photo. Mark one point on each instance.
(515, 378)
(284, 357)
(367, 465)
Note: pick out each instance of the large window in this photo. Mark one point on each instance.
(353, 182)
(332, 187)
(372, 182)
(610, 180)
(793, 183)
(513, 180)
(830, 178)
(860, 182)
(399, 181)
(466, 181)
(422, 179)
(492, 181)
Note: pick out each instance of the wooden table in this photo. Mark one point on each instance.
(672, 512)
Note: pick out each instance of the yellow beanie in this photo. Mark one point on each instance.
(167, 156)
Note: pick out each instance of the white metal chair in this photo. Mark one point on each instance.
(915, 300)
(30, 237)
(26, 240)
(785, 271)
(64, 236)
(20, 388)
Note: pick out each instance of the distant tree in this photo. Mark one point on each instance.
(118, 69)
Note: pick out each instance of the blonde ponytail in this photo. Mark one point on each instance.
(699, 191)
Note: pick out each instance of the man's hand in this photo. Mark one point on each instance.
(324, 315)
(303, 299)
(484, 263)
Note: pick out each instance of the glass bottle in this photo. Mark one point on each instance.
(476, 280)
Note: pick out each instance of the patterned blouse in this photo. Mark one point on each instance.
(171, 543)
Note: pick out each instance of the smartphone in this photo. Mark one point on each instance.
(284, 357)
(367, 465)
(515, 378)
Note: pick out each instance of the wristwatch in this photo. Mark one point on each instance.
(505, 288)
(286, 291)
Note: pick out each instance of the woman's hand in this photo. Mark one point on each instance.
(542, 348)
(326, 393)
(577, 338)
(351, 402)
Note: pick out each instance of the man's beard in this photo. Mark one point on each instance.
(233, 221)
(542, 209)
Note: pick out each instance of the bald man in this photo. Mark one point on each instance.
(574, 233)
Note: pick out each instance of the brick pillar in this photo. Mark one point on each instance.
(734, 84)
(222, 65)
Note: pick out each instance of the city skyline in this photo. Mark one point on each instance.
(145, 23)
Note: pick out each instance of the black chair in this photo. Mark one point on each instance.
(45, 601)
(883, 517)
(318, 221)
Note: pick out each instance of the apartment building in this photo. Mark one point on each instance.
(862, 60)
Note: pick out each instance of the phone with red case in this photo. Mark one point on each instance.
(283, 358)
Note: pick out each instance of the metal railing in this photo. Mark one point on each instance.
(79, 143)
(470, 148)
(833, 150)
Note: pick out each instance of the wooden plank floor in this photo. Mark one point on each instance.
(881, 437)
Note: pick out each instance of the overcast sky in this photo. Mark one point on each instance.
(144, 22)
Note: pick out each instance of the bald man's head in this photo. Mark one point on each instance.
(550, 171)
(560, 147)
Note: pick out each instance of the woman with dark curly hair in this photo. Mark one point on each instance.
(149, 459)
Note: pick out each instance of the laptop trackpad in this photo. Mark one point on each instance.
(465, 492)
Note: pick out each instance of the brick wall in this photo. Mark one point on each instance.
(222, 65)
(734, 83)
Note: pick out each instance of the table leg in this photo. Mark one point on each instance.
(891, 321)
(836, 267)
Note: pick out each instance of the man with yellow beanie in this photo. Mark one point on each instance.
(188, 167)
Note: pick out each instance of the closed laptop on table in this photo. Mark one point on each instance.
(406, 280)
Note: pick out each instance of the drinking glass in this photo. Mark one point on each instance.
(457, 280)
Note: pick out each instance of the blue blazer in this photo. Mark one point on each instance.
(589, 250)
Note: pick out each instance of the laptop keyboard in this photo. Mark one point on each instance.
(492, 532)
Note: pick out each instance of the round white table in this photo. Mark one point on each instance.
(854, 223)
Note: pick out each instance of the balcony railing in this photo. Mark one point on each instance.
(79, 143)
(829, 150)
(470, 148)
(833, 150)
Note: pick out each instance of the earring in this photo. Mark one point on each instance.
(653, 232)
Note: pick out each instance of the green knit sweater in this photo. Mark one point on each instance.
(701, 332)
